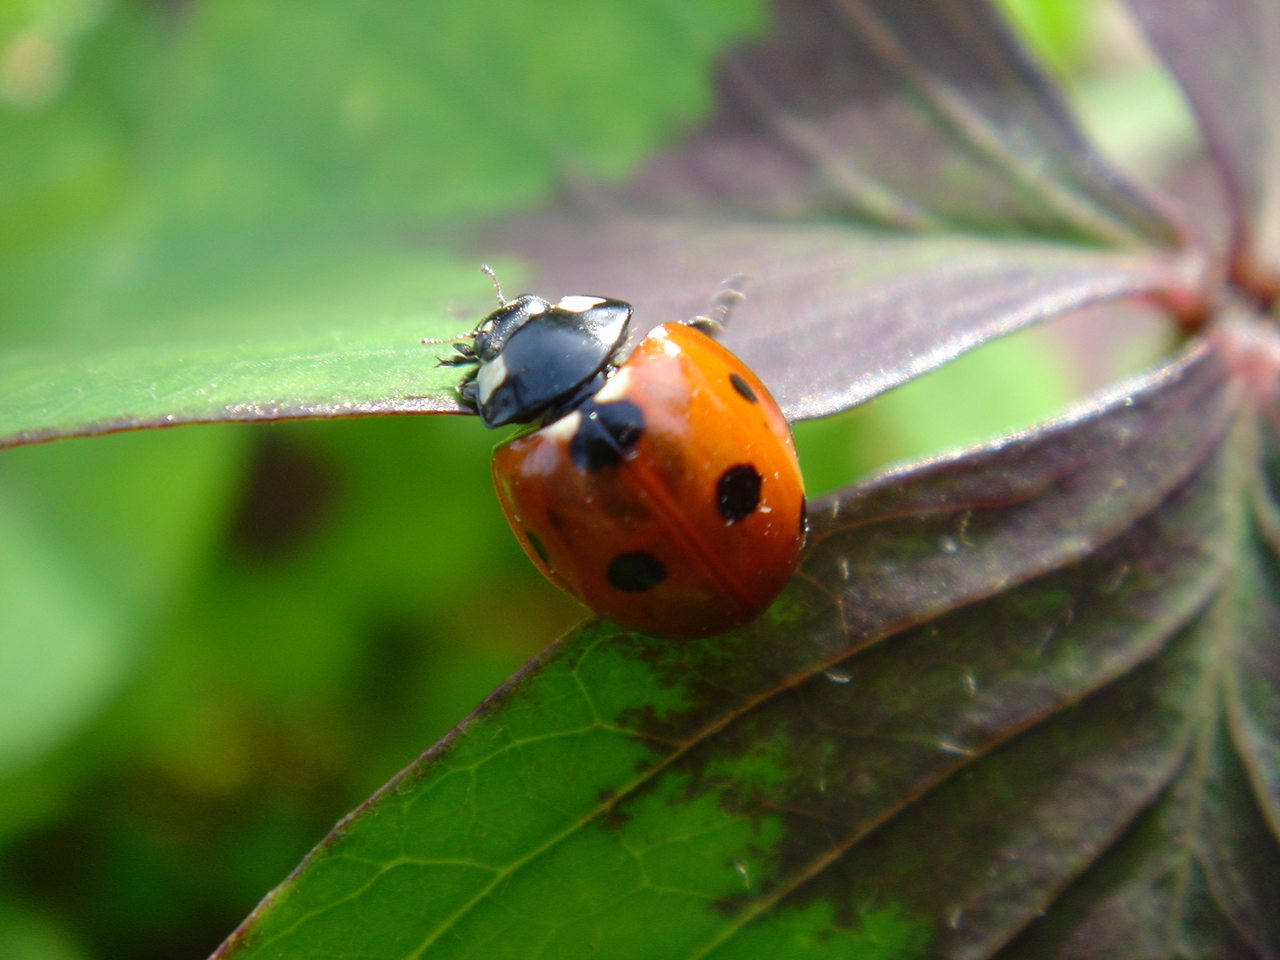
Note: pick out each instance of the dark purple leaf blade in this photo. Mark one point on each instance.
(1240, 849)
(1011, 831)
(1195, 876)
(833, 315)
(919, 116)
(1226, 56)
(956, 692)
(860, 163)
(950, 737)
(923, 117)
(1255, 713)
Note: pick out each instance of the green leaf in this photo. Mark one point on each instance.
(220, 228)
(456, 861)
(284, 364)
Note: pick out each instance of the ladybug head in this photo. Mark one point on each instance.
(496, 329)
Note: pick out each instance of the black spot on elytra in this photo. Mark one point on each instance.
(804, 519)
(538, 546)
(556, 520)
(738, 492)
(608, 431)
(742, 387)
(636, 572)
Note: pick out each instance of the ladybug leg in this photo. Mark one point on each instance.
(463, 354)
(467, 389)
(721, 305)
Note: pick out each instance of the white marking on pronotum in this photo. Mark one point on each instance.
(491, 376)
(579, 304)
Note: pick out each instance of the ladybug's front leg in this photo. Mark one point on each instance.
(468, 390)
(463, 353)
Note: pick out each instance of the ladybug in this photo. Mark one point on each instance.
(660, 487)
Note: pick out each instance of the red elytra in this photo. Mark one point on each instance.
(671, 501)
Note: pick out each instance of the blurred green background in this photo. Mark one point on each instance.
(215, 641)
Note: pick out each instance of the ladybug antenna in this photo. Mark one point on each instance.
(497, 287)
(470, 334)
(721, 305)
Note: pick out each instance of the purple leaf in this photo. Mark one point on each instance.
(1226, 56)
(862, 114)
(832, 315)
(920, 116)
